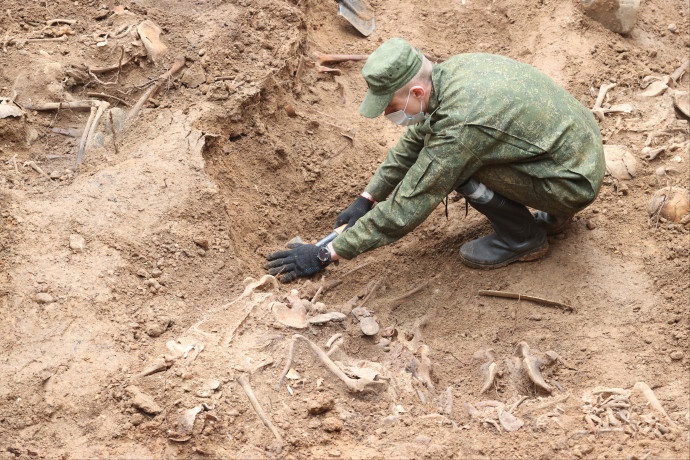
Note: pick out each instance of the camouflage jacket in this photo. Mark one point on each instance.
(483, 110)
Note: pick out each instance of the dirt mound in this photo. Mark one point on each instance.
(138, 318)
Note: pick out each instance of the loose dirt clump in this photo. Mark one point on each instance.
(138, 318)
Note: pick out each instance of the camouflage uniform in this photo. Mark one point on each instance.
(495, 120)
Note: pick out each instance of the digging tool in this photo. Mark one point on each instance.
(296, 241)
(359, 13)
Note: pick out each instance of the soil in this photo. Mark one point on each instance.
(146, 259)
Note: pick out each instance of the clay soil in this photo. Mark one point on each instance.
(139, 260)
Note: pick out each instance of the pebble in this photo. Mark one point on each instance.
(677, 355)
(673, 28)
(319, 405)
(534, 317)
(76, 242)
(202, 242)
(44, 297)
(156, 273)
(422, 439)
(143, 402)
(332, 425)
(591, 225)
(143, 273)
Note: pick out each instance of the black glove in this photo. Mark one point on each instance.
(302, 260)
(353, 212)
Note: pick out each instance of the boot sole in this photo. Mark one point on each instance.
(535, 254)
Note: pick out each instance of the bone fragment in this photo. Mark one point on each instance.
(89, 130)
(158, 365)
(531, 366)
(332, 340)
(597, 110)
(422, 369)
(178, 64)
(653, 401)
(678, 73)
(288, 363)
(244, 382)
(37, 168)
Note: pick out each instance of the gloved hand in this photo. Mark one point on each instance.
(303, 260)
(353, 212)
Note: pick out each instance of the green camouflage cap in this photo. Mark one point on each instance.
(388, 69)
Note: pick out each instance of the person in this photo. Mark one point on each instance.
(499, 132)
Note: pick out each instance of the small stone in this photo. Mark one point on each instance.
(156, 273)
(422, 439)
(390, 419)
(137, 419)
(673, 28)
(142, 401)
(193, 76)
(677, 355)
(143, 273)
(332, 425)
(156, 327)
(201, 242)
(591, 225)
(320, 404)
(55, 174)
(234, 413)
(31, 136)
(534, 318)
(76, 242)
(44, 297)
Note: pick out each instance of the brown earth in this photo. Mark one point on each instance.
(178, 210)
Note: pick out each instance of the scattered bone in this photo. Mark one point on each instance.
(244, 382)
(448, 409)
(160, 364)
(509, 422)
(332, 340)
(532, 365)
(597, 110)
(36, 168)
(331, 58)
(90, 129)
(410, 293)
(266, 282)
(355, 385)
(422, 367)
(185, 422)
(324, 69)
(671, 203)
(656, 88)
(653, 401)
(178, 64)
(489, 369)
(620, 163)
(9, 110)
(650, 153)
(367, 322)
(288, 363)
(681, 101)
(295, 317)
(149, 32)
(319, 320)
(678, 73)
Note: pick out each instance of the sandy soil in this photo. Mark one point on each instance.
(132, 294)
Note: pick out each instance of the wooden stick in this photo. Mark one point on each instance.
(510, 295)
(100, 70)
(110, 96)
(112, 130)
(242, 379)
(411, 292)
(176, 67)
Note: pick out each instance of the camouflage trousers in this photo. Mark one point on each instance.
(563, 194)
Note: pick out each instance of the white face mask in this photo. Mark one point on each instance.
(403, 119)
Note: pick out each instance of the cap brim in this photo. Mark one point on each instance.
(373, 105)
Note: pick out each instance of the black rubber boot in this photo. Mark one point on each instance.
(551, 223)
(517, 237)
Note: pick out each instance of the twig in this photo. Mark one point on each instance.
(411, 292)
(371, 292)
(510, 295)
(244, 382)
(112, 130)
(110, 96)
(288, 363)
(176, 67)
(118, 66)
